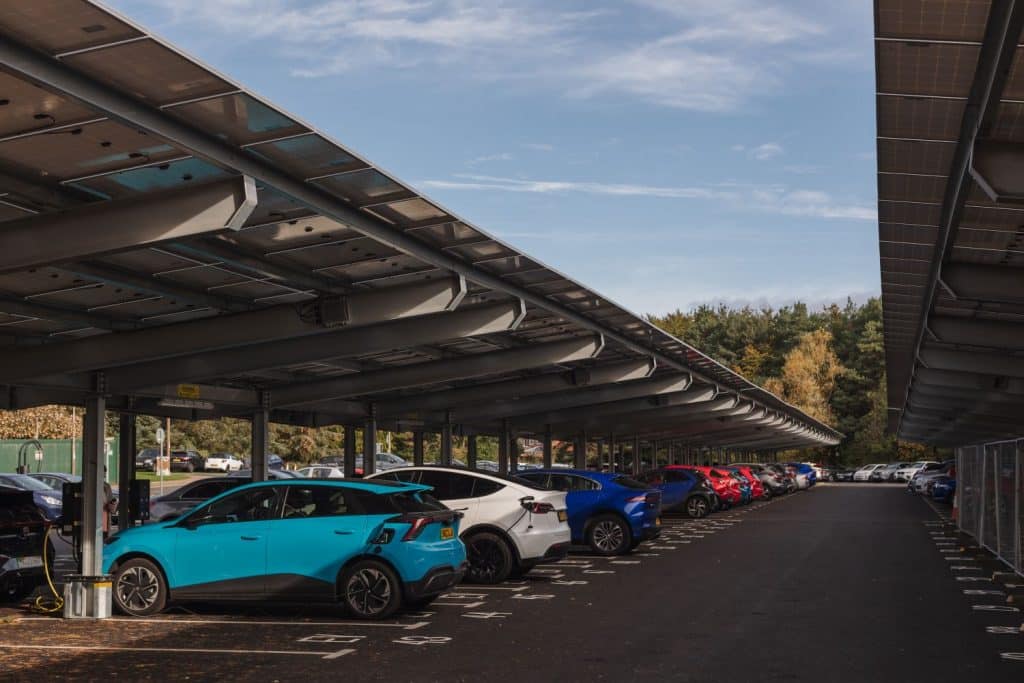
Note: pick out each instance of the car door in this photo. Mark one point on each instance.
(320, 528)
(220, 549)
(677, 486)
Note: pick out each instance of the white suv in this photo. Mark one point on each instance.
(864, 473)
(509, 524)
(907, 472)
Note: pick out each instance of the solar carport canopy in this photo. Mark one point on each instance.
(185, 248)
(950, 106)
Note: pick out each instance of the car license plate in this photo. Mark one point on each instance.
(562, 516)
(447, 533)
(657, 521)
(29, 562)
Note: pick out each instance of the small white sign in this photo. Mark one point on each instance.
(160, 434)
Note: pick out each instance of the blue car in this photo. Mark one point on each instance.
(805, 469)
(682, 489)
(943, 488)
(372, 546)
(612, 513)
(48, 500)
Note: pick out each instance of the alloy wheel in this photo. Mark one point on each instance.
(608, 536)
(697, 507)
(137, 588)
(368, 591)
(485, 559)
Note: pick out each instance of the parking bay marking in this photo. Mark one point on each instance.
(183, 650)
(1003, 630)
(355, 624)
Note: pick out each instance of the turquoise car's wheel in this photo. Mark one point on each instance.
(489, 557)
(139, 588)
(609, 535)
(370, 590)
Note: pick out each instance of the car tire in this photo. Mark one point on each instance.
(370, 590)
(15, 589)
(139, 588)
(490, 559)
(609, 535)
(697, 507)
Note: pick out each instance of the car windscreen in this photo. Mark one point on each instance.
(630, 483)
(23, 481)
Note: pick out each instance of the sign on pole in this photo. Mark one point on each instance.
(160, 435)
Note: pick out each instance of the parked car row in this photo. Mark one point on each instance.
(402, 536)
(883, 472)
(936, 480)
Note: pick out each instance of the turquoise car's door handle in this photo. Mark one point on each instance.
(343, 532)
(250, 538)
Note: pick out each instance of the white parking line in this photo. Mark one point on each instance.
(207, 651)
(1003, 630)
(246, 622)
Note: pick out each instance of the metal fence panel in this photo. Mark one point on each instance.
(990, 498)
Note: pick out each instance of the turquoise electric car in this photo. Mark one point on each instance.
(371, 546)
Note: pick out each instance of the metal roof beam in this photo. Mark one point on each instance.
(238, 329)
(993, 334)
(101, 228)
(122, 277)
(337, 343)
(1002, 32)
(973, 361)
(58, 76)
(619, 416)
(551, 403)
(970, 381)
(984, 283)
(525, 387)
(434, 372)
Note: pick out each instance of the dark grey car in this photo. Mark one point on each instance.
(180, 501)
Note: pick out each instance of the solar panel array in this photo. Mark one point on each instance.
(60, 152)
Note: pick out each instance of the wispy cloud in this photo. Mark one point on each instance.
(774, 199)
(500, 156)
(704, 55)
(766, 151)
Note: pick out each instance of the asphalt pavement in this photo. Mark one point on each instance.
(846, 582)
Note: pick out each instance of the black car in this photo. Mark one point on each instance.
(146, 459)
(840, 474)
(22, 534)
(187, 461)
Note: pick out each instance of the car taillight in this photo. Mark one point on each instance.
(637, 499)
(416, 528)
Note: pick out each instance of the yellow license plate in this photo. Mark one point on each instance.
(562, 516)
(447, 533)
(657, 522)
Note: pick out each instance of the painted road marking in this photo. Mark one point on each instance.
(423, 640)
(331, 638)
(1003, 630)
(205, 651)
(1012, 656)
(994, 608)
(487, 615)
(975, 591)
(246, 622)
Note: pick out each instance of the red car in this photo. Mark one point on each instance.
(726, 488)
(756, 487)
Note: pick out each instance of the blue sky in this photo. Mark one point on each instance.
(664, 152)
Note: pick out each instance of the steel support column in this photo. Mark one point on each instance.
(471, 451)
(417, 447)
(636, 455)
(93, 451)
(446, 440)
(370, 442)
(125, 468)
(503, 440)
(548, 454)
(513, 453)
(579, 452)
(350, 451)
(611, 453)
(260, 439)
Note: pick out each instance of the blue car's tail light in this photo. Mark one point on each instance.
(416, 528)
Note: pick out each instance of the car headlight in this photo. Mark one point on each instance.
(50, 500)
